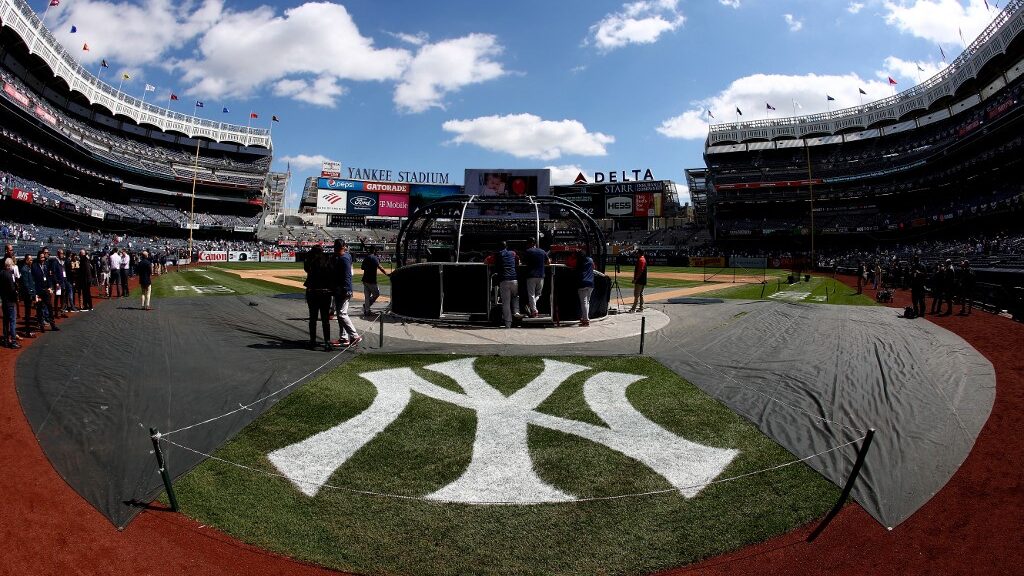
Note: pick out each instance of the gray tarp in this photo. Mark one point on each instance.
(812, 377)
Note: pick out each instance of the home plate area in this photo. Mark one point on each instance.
(455, 465)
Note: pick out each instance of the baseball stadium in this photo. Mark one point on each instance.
(811, 368)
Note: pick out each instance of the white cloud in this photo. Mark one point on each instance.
(683, 191)
(129, 33)
(529, 136)
(640, 22)
(321, 92)
(246, 50)
(730, 3)
(565, 174)
(793, 22)
(445, 67)
(939, 20)
(304, 161)
(855, 7)
(914, 71)
(751, 93)
(417, 39)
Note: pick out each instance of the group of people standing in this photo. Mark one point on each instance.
(51, 286)
(945, 283)
(329, 281)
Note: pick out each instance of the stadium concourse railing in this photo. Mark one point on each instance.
(992, 41)
(19, 16)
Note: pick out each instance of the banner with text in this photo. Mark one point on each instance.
(277, 256)
(213, 256)
(243, 256)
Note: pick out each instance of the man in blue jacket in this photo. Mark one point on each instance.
(341, 276)
(44, 289)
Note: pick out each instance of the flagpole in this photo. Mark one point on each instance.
(810, 184)
(42, 19)
(192, 219)
(121, 83)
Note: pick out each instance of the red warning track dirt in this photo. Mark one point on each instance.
(971, 527)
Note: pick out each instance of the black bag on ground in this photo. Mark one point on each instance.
(908, 312)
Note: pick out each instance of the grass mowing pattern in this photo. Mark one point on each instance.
(838, 293)
(431, 444)
(164, 285)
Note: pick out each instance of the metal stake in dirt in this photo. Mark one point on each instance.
(643, 332)
(154, 434)
(861, 455)
(381, 316)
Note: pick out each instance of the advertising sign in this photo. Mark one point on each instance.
(643, 204)
(331, 202)
(46, 116)
(592, 203)
(214, 256)
(508, 183)
(423, 194)
(362, 186)
(618, 206)
(23, 195)
(244, 228)
(277, 256)
(330, 169)
(364, 203)
(97, 213)
(243, 256)
(745, 262)
(707, 261)
(338, 184)
(393, 205)
(14, 93)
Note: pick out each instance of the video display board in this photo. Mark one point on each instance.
(508, 182)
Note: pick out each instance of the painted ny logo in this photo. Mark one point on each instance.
(501, 470)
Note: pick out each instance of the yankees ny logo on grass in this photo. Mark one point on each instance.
(501, 470)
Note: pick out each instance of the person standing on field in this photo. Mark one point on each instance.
(144, 269)
(639, 281)
(536, 261)
(370, 266)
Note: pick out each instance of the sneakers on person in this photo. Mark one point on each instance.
(517, 315)
(355, 341)
(534, 314)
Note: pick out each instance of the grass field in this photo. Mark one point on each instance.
(209, 281)
(820, 290)
(430, 444)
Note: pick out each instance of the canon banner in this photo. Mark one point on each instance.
(243, 256)
(277, 256)
(215, 256)
(331, 202)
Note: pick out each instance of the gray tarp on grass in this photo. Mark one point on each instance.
(812, 377)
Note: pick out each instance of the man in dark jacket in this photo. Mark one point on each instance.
(144, 268)
(70, 277)
(83, 283)
(9, 302)
(56, 277)
(44, 290)
(918, 275)
(949, 286)
(965, 286)
(27, 290)
(341, 276)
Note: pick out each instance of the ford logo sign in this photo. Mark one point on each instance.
(362, 202)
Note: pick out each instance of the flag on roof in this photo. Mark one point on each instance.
(710, 115)
(85, 47)
(861, 90)
(150, 88)
(943, 52)
(253, 115)
(225, 110)
(126, 76)
(961, 31)
(738, 111)
(104, 64)
(987, 7)
(74, 28)
(174, 96)
(770, 107)
(274, 119)
(797, 105)
(829, 98)
(919, 69)
(892, 82)
(54, 2)
(199, 104)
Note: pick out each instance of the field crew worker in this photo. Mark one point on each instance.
(506, 262)
(318, 294)
(371, 292)
(535, 260)
(639, 281)
(341, 276)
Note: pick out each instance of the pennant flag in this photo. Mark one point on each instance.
(104, 64)
(74, 28)
(126, 76)
(225, 110)
(253, 115)
(85, 47)
(987, 7)
(174, 96)
(892, 82)
(961, 31)
(829, 98)
(199, 104)
(710, 115)
(943, 52)
(861, 90)
(274, 119)
(919, 69)
(770, 107)
(54, 2)
(738, 111)
(150, 88)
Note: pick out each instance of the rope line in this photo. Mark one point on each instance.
(574, 501)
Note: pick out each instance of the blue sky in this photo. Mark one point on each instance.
(575, 85)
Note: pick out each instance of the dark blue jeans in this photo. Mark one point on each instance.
(10, 320)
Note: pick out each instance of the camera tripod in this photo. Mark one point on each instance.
(618, 291)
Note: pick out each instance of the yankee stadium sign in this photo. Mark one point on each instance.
(501, 469)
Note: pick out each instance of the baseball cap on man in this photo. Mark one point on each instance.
(339, 243)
